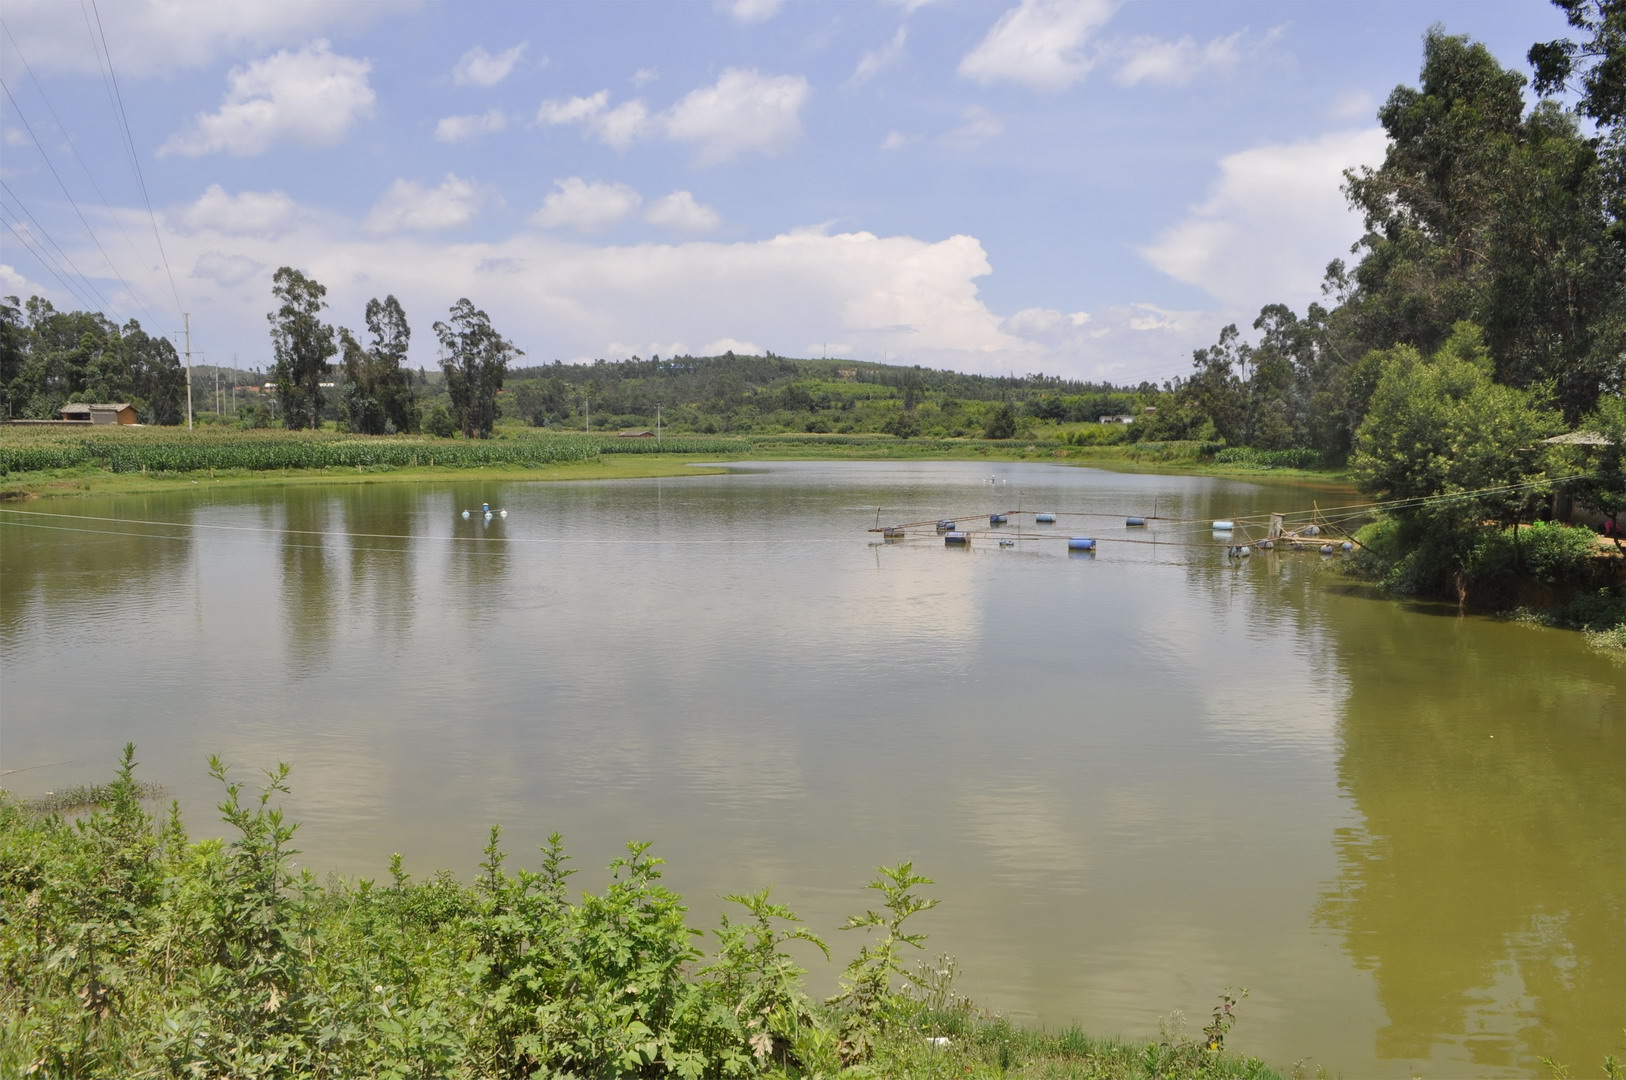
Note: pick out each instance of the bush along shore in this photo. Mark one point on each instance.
(129, 950)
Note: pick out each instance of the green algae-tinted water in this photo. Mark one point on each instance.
(1138, 778)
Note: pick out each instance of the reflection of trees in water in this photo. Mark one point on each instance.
(476, 559)
(1486, 889)
(309, 581)
(103, 571)
(382, 584)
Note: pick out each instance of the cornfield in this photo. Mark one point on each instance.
(127, 451)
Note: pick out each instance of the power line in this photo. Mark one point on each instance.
(84, 167)
(43, 231)
(129, 145)
(71, 201)
(46, 261)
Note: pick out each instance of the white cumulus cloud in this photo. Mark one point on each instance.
(451, 129)
(751, 11)
(681, 212)
(480, 68)
(227, 270)
(1177, 63)
(586, 206)
(409, 205)
(572, 110)
(617, 128)
(311, 97)
(1272, 220)
(977, 126)
(876, 61)
(620, 127)
(155, 37)
(248, 213)
(743, 111)
(1038, 43)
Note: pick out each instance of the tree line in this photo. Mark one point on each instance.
(49, 358)
(378, 396)
(1484, 310)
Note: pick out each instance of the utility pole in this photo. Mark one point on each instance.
(657, 423)
(218, 411)
(187, 316)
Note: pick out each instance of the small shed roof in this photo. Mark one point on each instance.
(96, 406)
(1580, 438)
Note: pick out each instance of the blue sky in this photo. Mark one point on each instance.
(1082, 188)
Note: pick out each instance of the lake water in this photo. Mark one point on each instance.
(1137, 778)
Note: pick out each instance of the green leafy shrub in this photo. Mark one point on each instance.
(1268, 459)
(128, 950)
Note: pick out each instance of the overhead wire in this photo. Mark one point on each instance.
(129, 143)
(107, 308)
(84, 167)
(46, 260)
(42, 231)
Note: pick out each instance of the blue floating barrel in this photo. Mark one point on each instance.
(1347, 546)
(1244, 551)
(956, 539)
(1224, 526)
(1133, 522)
(1044, 518)
(1080, 543)
(945, 525)
(1312, 530)
(997, 519)
(1326, 549)
(1266, 545)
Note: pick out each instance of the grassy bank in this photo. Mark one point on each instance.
(130, 950)
(36, 462)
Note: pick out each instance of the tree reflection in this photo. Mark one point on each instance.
(379, 530)
(1486, 888)
(310, 608)
(69, 565)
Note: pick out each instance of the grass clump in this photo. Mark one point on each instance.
(127, 949)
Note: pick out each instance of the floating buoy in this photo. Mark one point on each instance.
(1326, 549)
(1224, 526)
(1044, 518)
(1347, 546)
(502, 513)
(1266, 545)
(465, 515)
(1007, 543)
(945, 525)
(1312, 530)
(956, 539)
(1135, 522)
(1080, 543)
(996, 519)
(1246, 551)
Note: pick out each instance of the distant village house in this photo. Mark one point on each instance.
(88, 413)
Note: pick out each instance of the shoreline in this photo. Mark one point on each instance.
(83, 482)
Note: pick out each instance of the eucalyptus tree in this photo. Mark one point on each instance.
(1482, 212)
(392, 381)
(378, 397)
(475, 358)
(302, 345)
